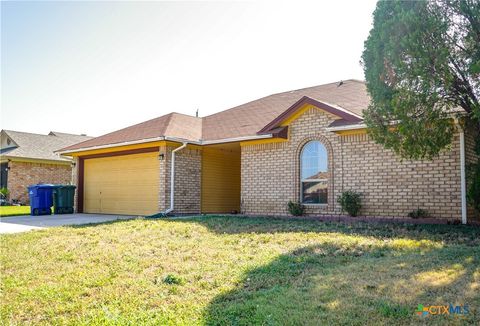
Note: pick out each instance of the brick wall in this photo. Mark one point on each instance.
(188, 166)
(390, 187)
(23, 174)
(270, 172)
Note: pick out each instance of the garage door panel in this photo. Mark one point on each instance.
(122, 184)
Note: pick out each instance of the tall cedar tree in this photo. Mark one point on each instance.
(422, 67)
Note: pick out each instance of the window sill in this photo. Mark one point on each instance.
(315, 205)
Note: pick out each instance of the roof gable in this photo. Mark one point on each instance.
(290, 114)
(6, 142)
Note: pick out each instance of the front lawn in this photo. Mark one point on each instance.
(242, 271)
(14, 210)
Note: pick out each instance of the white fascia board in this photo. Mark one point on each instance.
(347, 127)
(133, 142)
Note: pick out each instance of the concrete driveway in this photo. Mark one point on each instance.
(15, 224)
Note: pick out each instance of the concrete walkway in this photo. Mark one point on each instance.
(15, 224)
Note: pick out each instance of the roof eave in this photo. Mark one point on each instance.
(89, 148)
(237, 139)
(64, 161)
(172, 139)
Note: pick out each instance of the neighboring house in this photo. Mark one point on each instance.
(28, 159)
(306, 145)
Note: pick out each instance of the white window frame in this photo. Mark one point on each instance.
(312, 180)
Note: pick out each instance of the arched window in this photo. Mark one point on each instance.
(314, 173)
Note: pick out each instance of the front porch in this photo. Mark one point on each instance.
(221, 178)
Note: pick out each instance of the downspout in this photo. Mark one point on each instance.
(172, 180)
(463, 183)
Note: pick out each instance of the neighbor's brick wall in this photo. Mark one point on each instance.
(188, 166)
(390, 187)
(23, 174)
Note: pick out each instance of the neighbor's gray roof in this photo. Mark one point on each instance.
(36, 146)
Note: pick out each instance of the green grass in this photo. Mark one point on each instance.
(14, 210)
(239, 271)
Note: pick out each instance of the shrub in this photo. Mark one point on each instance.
(296, 208)
(418, 213)
(473, 192)
(173, 279)
(351, 202)
(4, 192)
(4, 196)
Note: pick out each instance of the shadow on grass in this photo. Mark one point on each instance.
(238, 225)
(331, 285)
(104, 223)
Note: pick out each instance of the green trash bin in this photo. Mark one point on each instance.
(63, 198)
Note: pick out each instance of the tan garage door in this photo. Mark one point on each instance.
(127, 184)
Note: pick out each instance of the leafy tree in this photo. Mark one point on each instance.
(422, 67)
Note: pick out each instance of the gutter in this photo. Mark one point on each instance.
(172, 180)
(173, 139)
(463, 183)
(133, 142)
(355, 126)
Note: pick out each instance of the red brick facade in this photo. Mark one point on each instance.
(23, 174)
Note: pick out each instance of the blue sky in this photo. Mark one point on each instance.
(94, 67)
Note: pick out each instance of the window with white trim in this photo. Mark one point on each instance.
(314, 173)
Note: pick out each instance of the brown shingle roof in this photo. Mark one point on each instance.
(247, 119)
(35, 146)
(244, 120)
(172, 125)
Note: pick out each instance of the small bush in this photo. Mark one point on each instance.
(4, 192)
(173, 279)
(418, 213)
(296, 208)
(351, 202)
(473, 192)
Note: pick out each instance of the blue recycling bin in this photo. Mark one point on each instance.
(41, 199)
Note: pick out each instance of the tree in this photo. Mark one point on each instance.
(421, 62)
(422, 68)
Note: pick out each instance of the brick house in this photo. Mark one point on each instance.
(306, 145)
(27, 159)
